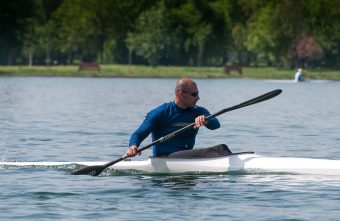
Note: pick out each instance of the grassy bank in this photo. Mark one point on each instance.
(163, 72)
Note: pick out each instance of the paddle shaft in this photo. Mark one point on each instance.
(96, 170)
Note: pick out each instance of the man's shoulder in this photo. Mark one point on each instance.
(199, 108)
(166, 105)
(162, 107)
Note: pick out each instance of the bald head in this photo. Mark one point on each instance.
(186, 93)
(185, 84)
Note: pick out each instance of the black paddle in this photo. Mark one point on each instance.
(96, 170)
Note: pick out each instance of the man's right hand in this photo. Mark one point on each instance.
(132, 151)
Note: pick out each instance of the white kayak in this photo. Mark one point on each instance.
(237, 162)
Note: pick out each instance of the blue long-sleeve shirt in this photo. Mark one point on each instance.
(166, 119)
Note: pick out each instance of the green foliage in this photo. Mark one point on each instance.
(150, 37)
(282, 33)
(75, 25)
(260, 39)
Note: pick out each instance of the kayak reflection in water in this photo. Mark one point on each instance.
(171, 116)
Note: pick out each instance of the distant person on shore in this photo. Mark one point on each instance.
(299, 75)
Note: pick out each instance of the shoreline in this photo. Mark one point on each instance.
(140, 71)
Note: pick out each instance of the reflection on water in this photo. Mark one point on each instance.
(175, 182)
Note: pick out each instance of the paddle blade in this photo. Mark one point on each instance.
(90, 170)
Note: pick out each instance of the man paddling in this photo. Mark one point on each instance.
(209, 121)
(172, 116)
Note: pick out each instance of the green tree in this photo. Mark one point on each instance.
(199, 39)
(47, 39)
(204, 27)
(260, 40)
(151, 36)
(29, 38)
(239, 36)
(131, 43)
(324, 20)
(74, 26)
(12, 17)
(39, 33)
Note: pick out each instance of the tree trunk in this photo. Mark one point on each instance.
(30, 58)
(69, 57)
(130, 55)
(10, 58)
(48, 59)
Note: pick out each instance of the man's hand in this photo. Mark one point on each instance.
(132, 151)
(200, 121)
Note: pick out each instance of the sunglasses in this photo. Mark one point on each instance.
(194, 94)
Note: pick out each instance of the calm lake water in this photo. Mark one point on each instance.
(91, 119)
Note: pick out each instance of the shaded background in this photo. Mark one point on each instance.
(283, 33)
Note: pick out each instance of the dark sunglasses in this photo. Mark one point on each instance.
(194, 94)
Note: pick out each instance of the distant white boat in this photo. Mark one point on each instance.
(280, 81)
(293, 81)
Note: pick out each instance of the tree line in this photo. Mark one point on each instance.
(280, 33)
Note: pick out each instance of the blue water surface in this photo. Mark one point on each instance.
(91, 119)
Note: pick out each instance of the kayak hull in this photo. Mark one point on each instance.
(246, 162)
(235, 163)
